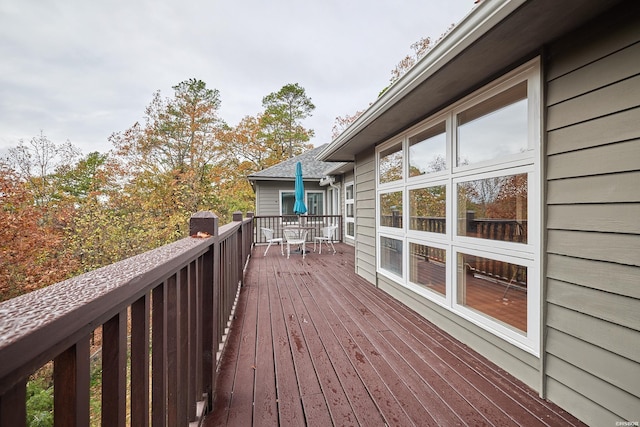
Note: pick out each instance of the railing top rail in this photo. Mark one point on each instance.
(34, 326)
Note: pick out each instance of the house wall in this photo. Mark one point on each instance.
(268, 195)
(590, 362)
(365, 201)
(592, 346)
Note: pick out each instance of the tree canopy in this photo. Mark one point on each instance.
(65, 214)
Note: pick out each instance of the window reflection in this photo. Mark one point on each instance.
(391, 255)
(428, 151)
(391, 164)
(493, 128)
(287, 201)
(315, 203)
(391, 209)
(494, 208)
(495, 288)
(348, 192)
(428, 209)
(351, 229)
(427, 267)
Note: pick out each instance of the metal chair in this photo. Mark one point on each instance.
(295, 237)
(327, 238)
(268, 234)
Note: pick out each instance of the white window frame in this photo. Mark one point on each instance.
(528, 254)
(350, 202)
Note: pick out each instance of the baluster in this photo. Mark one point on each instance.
(140, 313)
(71, 379)
(114, 370)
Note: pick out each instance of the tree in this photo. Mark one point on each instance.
(37, 162)
(420, 49)
(83, 179)
(170, 158)
(32, 250)
(343, 122)
(281, 122)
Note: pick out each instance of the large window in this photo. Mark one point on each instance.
(467, 237)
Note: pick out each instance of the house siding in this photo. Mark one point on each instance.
(365, 201)
(592, 339)
(268, 195)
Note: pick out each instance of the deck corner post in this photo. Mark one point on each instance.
(203, 221)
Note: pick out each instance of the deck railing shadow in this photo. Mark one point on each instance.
(163, 313)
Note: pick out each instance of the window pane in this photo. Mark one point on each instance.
(287, 202)
(391, 164)
(315, 203)
(349, 207)
(494, 128)
(428, 151)
(348, 192)
(428, 209)
(427, 267)
(391, 209)
(495, 288)
(494, 208)
(351, 229)
(391, 255)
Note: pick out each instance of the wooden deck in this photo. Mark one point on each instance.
(314, 344)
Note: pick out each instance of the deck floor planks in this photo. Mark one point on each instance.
(347, 341)
(391, 368)
(233, 387)
(516, 410)
(335, 398)
(426, 396)
(289, 402)
(394, 402)
(455, 373)
(313, 401)
(363, 406)
(265, 407)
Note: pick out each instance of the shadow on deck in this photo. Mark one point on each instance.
(312, 343)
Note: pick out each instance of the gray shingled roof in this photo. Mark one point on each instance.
(312, 169)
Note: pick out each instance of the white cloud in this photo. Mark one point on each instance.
(82, 70)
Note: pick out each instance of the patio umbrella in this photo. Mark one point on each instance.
(299, 207)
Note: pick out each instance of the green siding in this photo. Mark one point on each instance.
(592, 339)
(365, 215)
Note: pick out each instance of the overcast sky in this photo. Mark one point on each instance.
(80, 70)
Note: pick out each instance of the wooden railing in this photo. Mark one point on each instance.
(313, 224)
(162, 313)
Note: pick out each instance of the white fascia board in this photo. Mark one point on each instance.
(473, 26)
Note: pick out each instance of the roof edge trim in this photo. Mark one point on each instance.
(473, 26)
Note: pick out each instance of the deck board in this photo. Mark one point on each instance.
(314, 344)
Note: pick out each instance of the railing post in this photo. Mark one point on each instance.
(237, 217)
(207, 222)
(249, 238)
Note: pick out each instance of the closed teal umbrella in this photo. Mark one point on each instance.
(299, 208)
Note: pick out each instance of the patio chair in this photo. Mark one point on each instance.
(327, 238)
(295, 237)
(268, 234)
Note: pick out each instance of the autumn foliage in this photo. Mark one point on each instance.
(64, 214)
